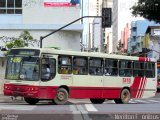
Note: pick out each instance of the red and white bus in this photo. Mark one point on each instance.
(57, 75)
(158, 76)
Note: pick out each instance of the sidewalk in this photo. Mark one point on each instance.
(9, 99)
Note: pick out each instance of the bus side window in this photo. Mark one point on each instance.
(149, 70)
(138, 69)
(111, 67)
(125, 68)
(64, 64)
(80, 65)
(96, 66)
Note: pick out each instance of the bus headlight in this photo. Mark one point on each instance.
(32, 89)
(7, 87)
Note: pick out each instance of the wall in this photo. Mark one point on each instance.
(64, 40)
(36, 13)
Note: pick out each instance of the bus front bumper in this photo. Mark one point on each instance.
(18, 90)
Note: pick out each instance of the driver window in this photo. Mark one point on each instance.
(48, 69)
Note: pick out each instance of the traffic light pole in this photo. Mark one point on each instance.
(42, 37)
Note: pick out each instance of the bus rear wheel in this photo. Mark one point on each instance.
(97, 101)
(61, 96)
(124, 97)
(31, 101)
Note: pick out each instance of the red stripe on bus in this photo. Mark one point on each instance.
(142, 87)
(134, 87)
(95, 92)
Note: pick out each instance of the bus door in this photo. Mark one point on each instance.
(48, 72)
(111, 81)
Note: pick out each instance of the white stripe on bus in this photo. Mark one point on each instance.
(144, 87)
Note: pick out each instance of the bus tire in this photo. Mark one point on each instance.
(124, 97)
(61, 96)
(97, 101)
(31, 101)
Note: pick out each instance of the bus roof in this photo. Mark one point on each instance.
(93, 54)
(89, 54)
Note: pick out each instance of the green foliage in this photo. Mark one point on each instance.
(24, 40)
(149, 9)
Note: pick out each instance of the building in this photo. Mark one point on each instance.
(107, 36)
(125, 34)
(121, 16)
(41, 17)
(152, 41)
(138, 29)
(97, 39)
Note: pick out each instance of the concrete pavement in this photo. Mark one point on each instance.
(9, 99)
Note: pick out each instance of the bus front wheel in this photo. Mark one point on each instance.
(31, 101)
(61, 96)
(97, 101)
(124, 97)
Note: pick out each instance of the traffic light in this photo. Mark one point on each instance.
(146, 50)
(106, 17)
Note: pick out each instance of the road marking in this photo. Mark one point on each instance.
(84, 112)
(154, 101)
(74, 109)
(90, 107)
(132, 102)
(17, 107)
(142, 101)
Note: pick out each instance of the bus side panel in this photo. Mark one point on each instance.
(86, 86)
(111, 93)
(137, 86)
(149, 89)
(86, 92)
(47, 92)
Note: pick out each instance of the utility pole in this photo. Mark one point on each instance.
(42, 37)
(106, 18)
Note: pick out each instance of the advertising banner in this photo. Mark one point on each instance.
(61, 3)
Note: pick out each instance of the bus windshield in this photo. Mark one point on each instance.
(22, 68)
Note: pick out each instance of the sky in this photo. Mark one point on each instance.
(125, 15)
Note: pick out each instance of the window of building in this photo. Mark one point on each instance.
(80, 65)
(64, 64)
(150, 70)
(111, 67)
(96, 66)
(10, 6)
(125, 68)
(138, 69)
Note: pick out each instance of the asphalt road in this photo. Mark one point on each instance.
(137, 109)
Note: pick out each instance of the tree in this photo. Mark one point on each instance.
(148, 9)
(24, 40)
